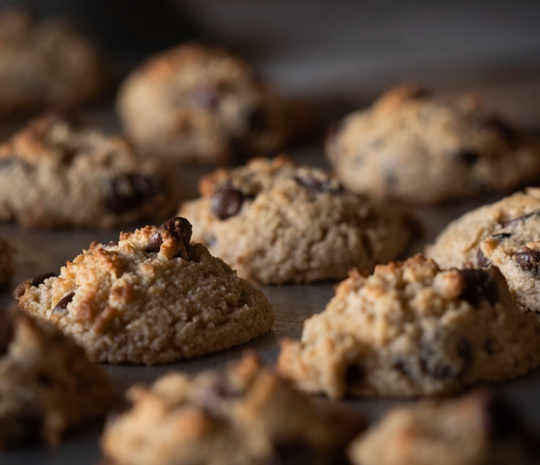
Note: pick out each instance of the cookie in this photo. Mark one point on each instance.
(244, 416)
(6, 266)
(152, 297)
(196, 103)
(46, 384)
(478, 429)
(411, 329)
(504, 234)
(58, 171)
(416, 147)
(47, 63)
(276, 222)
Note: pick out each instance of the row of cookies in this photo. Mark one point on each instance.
(239, 416)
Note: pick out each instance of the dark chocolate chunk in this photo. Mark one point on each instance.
(354, 374)
(481, 259)
(6, 332)
(311, 182)
(64, 302)
(468, 157)
(522, 218)
(479, 285)
(179, 228)
(434, 367)
(41, 279)
(129, 192)
(501, 236)
(528, 260)
(226, 202)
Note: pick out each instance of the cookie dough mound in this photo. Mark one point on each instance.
(59, 172)
(46, 383)
(200, 104)
(150, 298)
(245, 416)
(505, 234)
(6, 266)
(46, 64)
(276, 222)
(411, 329)
(421, 148)
(478, 429)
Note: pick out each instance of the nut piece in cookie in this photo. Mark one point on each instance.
(58, 171)
(476, 429)
(48, 63)
(200, 104)
(411, 329)
(245, 415)
(6, 265)
(152, 297)
(417, 147)
(46, 383)
(505, 234)
(277, 222)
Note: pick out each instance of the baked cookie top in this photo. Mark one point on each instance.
(411, 329)
(6, 265)
(201, 104)
(47, 63)
(276, 222)
(244, 416)
(152, 297)
(58, 171)
(414, 146)
(46, 383)
(476, 429)
(504, 234)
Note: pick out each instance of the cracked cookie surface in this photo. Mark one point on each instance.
(46, 383)
(152, 297)
(416, 147)
(411, 329)
(504, 234)
(246, 415)
(277, 222)
(200, 104)
(58, 171)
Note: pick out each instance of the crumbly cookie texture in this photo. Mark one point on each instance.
(152, 297)
(276, 222)
(46, 63)
(421, 148)
(200, 104)
(6, 265)
(244, 416)
(46, 383)
(477, 429)
(411, 329)
(58, 171)
(504, 234)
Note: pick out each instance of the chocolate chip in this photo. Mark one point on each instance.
(501, 236)
(64, 302)
(179, 228)
(479, 285)
(468, 157)
(431, 362)
(130, 191)
(481, 259)
(293, 452)
(506, 131)
(522, 218)
(41, 279)
(6, 332)
(354, 374)
(226, 202)
(528, 260)
(311, 182)
(205, 96)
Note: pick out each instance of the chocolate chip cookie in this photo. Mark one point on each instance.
(478, 429)
(46, 383)
(152, 297)
(276, 222)
(6, 266)
(47, 63)
(200, 104)
(417, 147)
(244, 416)
(58, 171)
(411, 329)
(504, 234)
